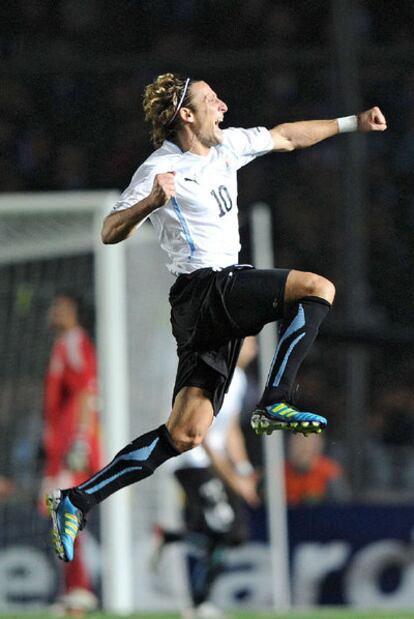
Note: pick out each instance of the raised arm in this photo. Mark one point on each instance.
(290, 136)
(118, 225)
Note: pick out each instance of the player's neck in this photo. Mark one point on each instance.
(68, 326)
(188, 142)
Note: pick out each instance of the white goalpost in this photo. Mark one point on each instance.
(273, 445)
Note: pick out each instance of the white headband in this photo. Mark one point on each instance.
(187, 81)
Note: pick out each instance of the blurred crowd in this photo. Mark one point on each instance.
(73, 73)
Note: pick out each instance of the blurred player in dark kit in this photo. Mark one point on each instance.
(218, 481)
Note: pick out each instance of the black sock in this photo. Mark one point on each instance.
(136, 461)
(300, 329)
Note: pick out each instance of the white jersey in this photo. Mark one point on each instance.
(199, 226)
(217, 435)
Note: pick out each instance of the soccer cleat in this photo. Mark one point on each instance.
(282, 416)
(67, 521)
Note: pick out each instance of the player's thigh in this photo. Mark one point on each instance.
(256, 298)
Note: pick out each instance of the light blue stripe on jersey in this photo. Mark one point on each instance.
(184, 226)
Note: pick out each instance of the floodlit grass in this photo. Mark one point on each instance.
(316, 614)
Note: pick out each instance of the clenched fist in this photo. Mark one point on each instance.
(163, 188)
(372, 120)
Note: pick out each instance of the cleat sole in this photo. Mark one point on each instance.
(263, 425)
(52, 503)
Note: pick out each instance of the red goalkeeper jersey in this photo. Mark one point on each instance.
(71, 377)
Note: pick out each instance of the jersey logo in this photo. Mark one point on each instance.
(191, 180)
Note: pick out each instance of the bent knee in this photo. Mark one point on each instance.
(190, 418)
(184, 440)
(319, 286)
(301, 284)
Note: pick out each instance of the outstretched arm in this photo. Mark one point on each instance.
(290, 136)
(118, 225)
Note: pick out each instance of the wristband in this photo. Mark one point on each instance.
(347, 124)
(244, 468)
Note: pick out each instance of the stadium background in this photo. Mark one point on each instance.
(72, 76)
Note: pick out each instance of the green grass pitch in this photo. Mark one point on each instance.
(315, 614)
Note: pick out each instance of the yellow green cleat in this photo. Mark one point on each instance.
(67, 521)
(282, 416)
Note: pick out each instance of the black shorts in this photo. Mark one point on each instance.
(211, 313)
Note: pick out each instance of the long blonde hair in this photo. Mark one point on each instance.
(161, 101)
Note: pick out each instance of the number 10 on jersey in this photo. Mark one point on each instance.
(223, 199)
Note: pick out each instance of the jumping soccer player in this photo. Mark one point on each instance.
(188, 190)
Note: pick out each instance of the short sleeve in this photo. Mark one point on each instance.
(247, 144)
(138, 189)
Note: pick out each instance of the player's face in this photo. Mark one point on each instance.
(208, 113)
(62, 314)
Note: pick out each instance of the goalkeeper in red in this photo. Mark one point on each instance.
(188, 190)
(71, 438)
